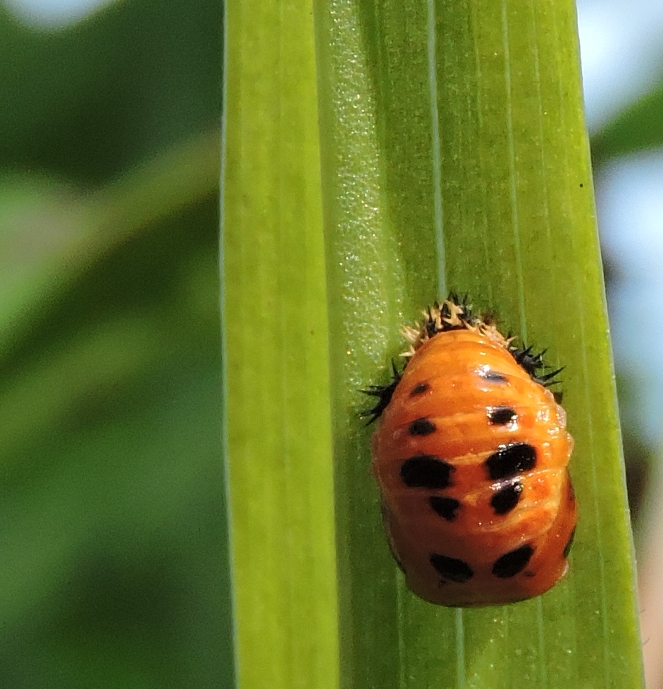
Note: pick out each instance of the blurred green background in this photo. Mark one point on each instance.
(112, 527)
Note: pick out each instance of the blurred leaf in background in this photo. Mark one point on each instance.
(112, 527)
(623, 80)
(622, 53)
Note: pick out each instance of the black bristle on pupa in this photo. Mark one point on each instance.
(534, 364)
(431, 326)
(384, 394)
(466, 316)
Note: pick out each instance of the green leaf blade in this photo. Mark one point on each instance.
(276, 417)
(514, 228)
(453, 155)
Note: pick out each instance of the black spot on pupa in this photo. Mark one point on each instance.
(445, 507)
(419, 389)
(569, 543)
(426, 471)
(513, 562)
(507, 497)
(421, 427)
(510, 460)
(451, 569)
(500, 416)
(494, 376)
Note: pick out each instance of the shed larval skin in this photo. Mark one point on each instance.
(471, 458)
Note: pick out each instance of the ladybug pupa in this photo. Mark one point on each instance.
(471, 456)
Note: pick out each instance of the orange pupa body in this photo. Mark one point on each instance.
(471, 459)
